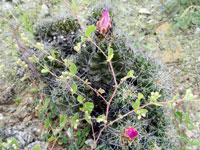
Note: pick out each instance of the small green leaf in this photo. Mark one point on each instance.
(178, 114)
(184, 139)
(86, 81)
(77, 48)
(15, 142)
(186, 116)
(84, 2)
(74, 6)
(137, 103)
(67, 62)
(80, 99)
(140, 96)
(196, 143)
(175, 97)
(63, 121)
(89, 30)
(101, 118)
(73, 69)
(129, 75)
(35, 89)
(47, 123)
(45, 69)
(37, 147)
(110, 54)
(157, 104)
(189, 95)
(141, 112)
(2, 67)
(71, 147)
(154, 97)
(88, 117)
(53, 54)
(46, 103)
(190, 124)
(26, 21)
(34, 59)
(51, 58)
(83, 39)
(56, 131)
(75, 121)
(51, 139)
(88, 106)
(62, 118)
(74, 88)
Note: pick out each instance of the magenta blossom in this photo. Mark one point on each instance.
(104, 24)
(131, 132)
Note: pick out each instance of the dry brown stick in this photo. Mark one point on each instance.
(24, 50)
(108, 104)
(98, 48)
(93, 131)
(76, 15)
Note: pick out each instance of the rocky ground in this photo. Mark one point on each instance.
(145, 22)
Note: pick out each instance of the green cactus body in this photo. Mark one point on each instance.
(61, 34)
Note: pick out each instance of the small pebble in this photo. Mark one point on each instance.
(172, 46)
(124, 1)
(197, 30)
(1, 117)
(199, 58)
(144, 11)
(162, 9)
(162, 32)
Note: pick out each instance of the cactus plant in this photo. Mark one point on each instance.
(93, 66)
(60, 34)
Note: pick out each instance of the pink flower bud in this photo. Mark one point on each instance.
(131, 132)
(104, 24)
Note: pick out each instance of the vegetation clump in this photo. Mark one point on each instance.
(93, 67)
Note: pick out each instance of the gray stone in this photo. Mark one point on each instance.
(124, 1)
(1, 117)
(7, 95)
(20, 135)
(197, 30)
(144, 11)
(25, 136)
(5, 6)
(44, 11)
(43, 145)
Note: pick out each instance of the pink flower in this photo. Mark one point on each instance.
(104, 24)
(131, 132)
